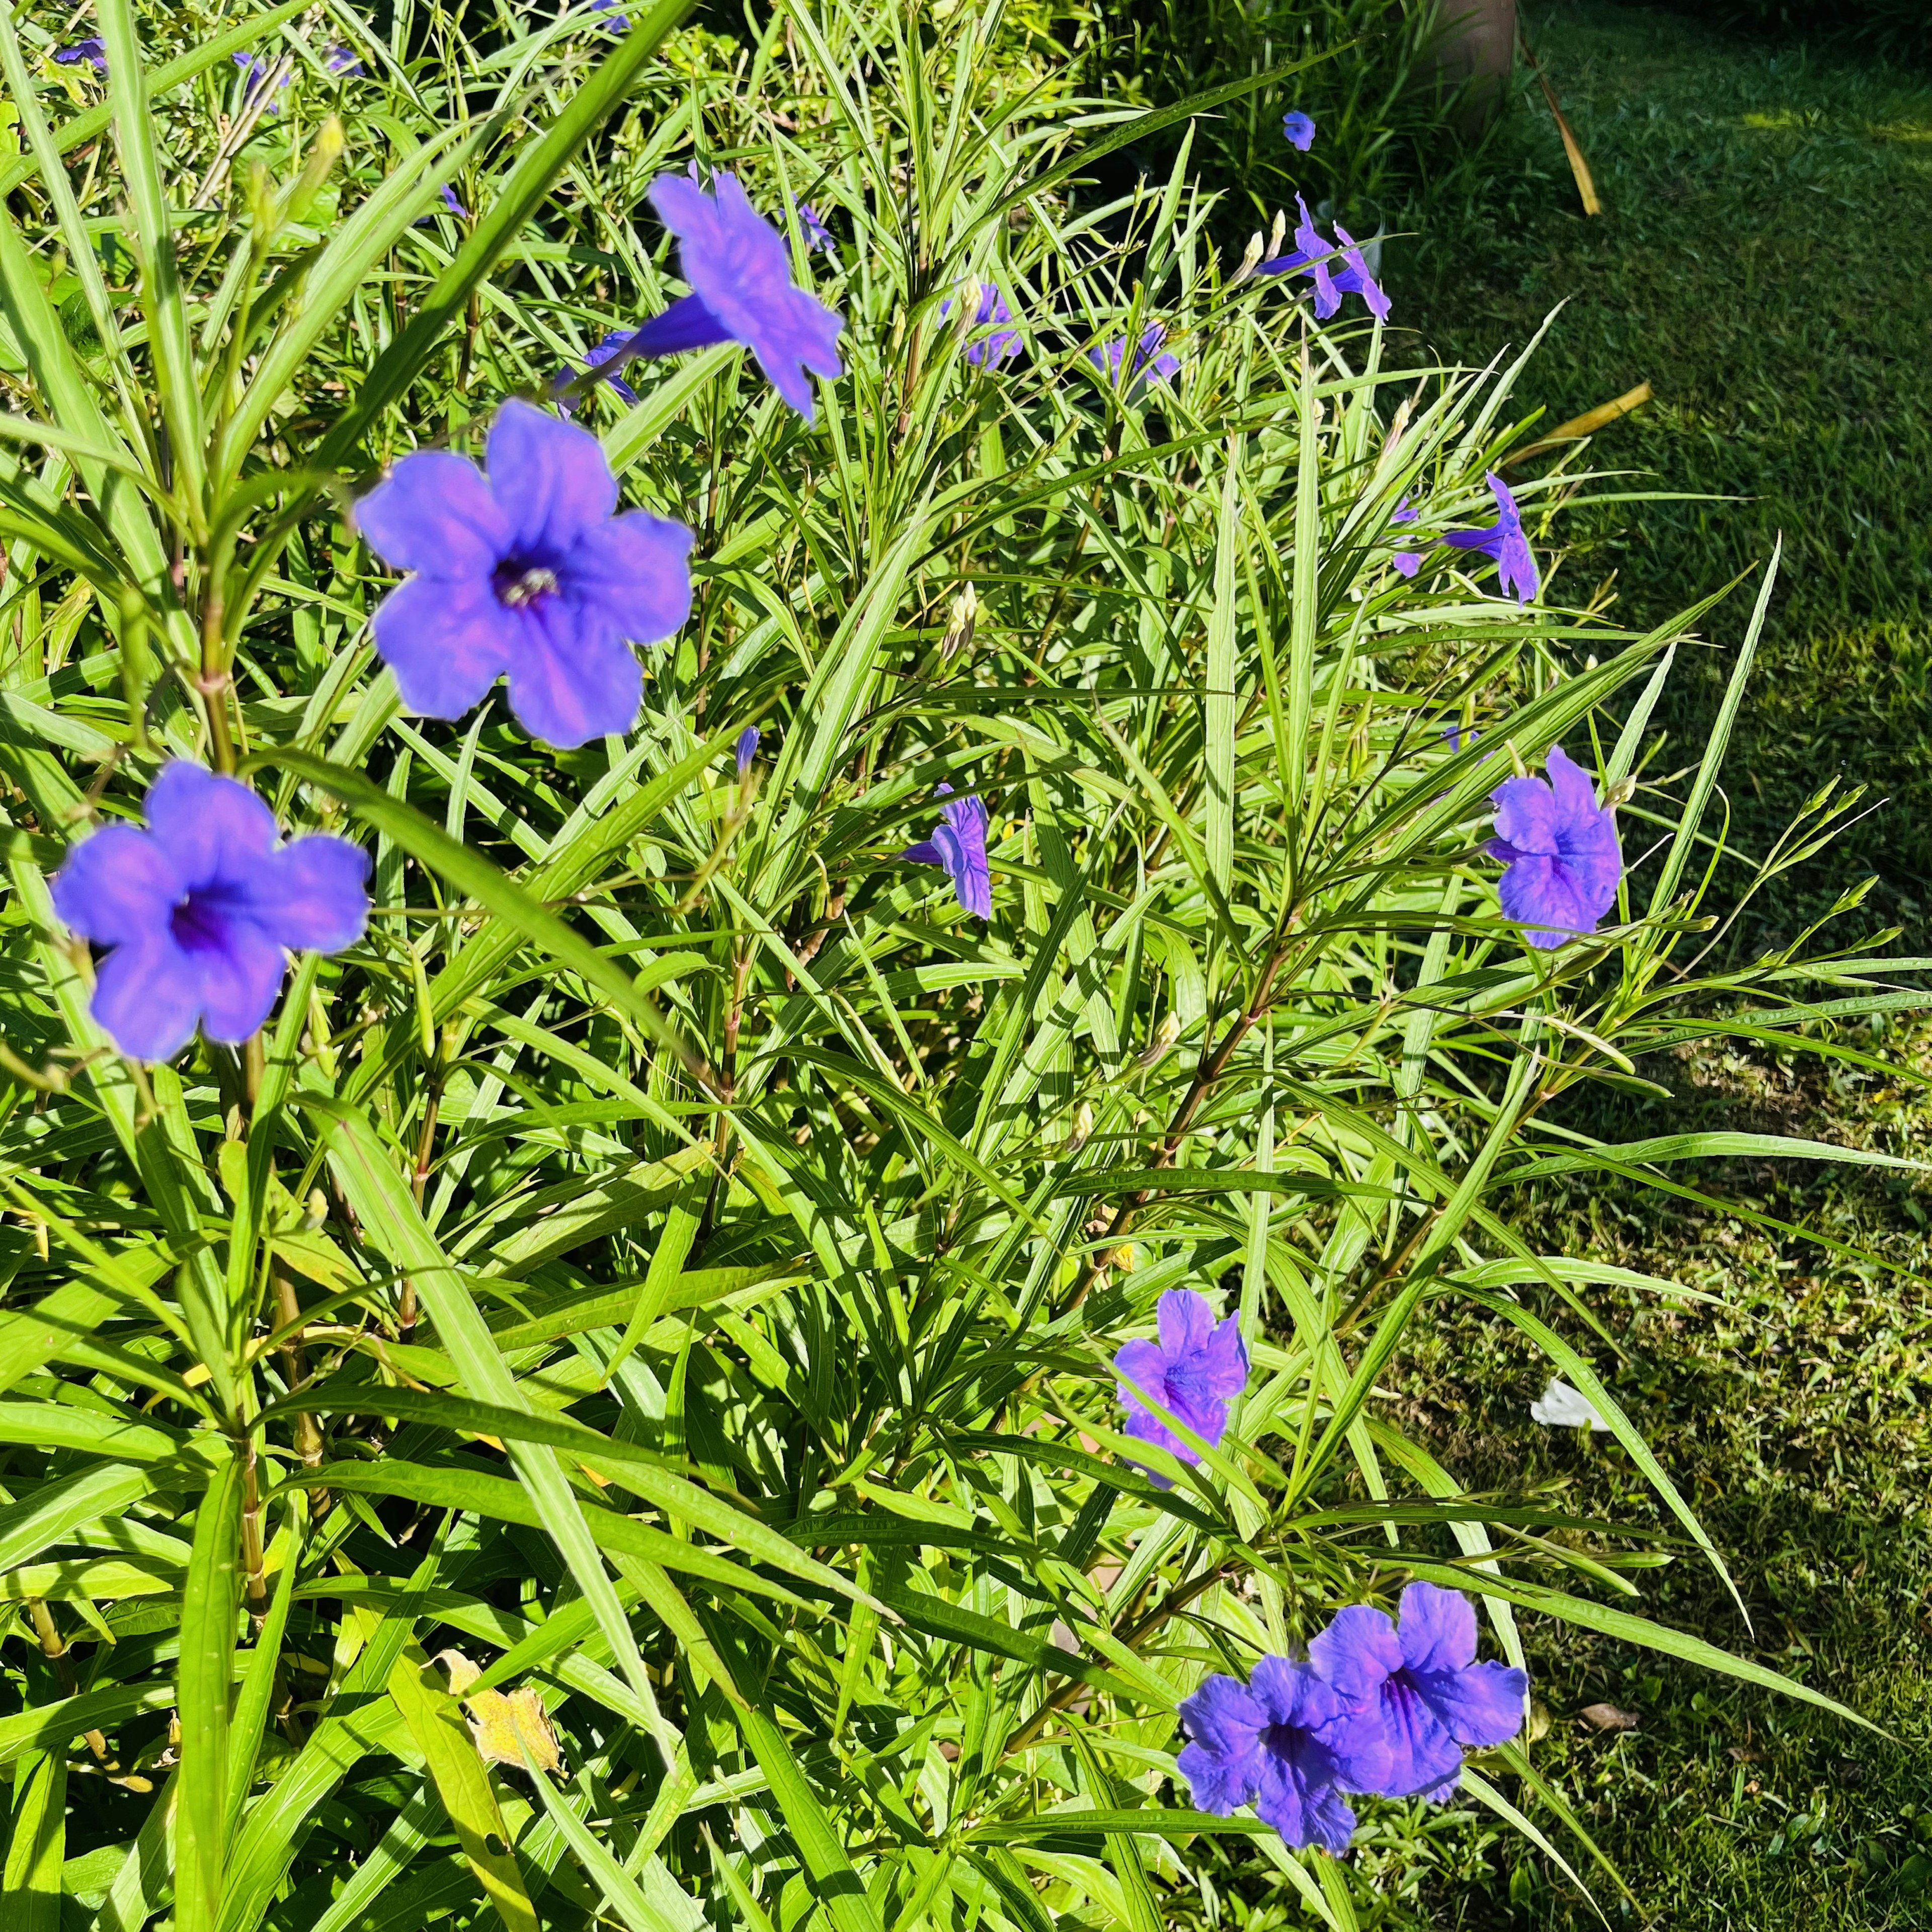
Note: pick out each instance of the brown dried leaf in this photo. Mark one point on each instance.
(1608, 1717)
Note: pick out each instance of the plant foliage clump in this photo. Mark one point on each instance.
(603, 1408)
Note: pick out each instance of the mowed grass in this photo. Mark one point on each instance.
(1765, 261)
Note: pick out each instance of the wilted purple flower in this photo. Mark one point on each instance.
(1312, 257)
(739, 270)
(1560, 847)
(1286, 1741)
(992, 308)
(93, 50)
(342, 61)
(1299, 129)
(746, 749)
(529, 575)
(201, 909)
(958, 843)
(1408, 561)
(1151, 363)
(606, 349)
(254, 77)
(1504, 540)
(1432, 1696)
(817, 236)
(1193, 1371)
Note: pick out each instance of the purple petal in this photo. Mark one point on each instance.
(147, 997)
(311, 896)
(746, 749)
(1293, 1693)
(686, 324)
(633, 571)
(210, 827)
(1221, 1762)
(1299, 129)
(1570, 785)
(1527, 815)
(961, 837)
(1356, 1652)
(1299, 1797)
(1437, 1628)
(1408, 562)
(117, 886)
(572, 676)
(1142, 1369)
(1147, 1428)
(1185, 1321)
(1360, 1747)
(1540, 895)
(446, 642)
(434, 513)
(1422, 1753)
(240, 978)
(926, 852)
(1479, 1705)
(551, 479)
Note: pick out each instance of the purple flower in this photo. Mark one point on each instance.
(1456, 736)
(450, 202)
(529, 574)
(341, 61)
(958, 843)
(1298, 129)
(746, 749)
(1408, 561)
(1193, 1371)
(817, 236)
(254, 77)
(200, 911)
(1003, 342)
(93, 50)
(604, 350)
(1432, 1696)
(739, 270)
(1151, 364)
(620, 25)
(1311, 257)
(1286, 1742)
(1504, 540)
(1560, 848)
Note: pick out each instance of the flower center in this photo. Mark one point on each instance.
(519, 584)
(200, 919)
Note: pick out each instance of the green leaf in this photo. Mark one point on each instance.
(210, 1603)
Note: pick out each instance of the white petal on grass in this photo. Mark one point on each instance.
(1561, 1407)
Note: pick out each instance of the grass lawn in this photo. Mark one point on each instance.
(1765, 261)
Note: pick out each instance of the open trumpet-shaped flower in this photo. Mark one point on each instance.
(1503, 540)
(1287, 1742)
(958, 843)
(1422, 1677)
(1560, 849)
(528, 574)
(1193, 1371)
(740, 270)
(201, 909)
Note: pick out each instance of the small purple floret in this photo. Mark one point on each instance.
(739, 270)
(1504, 540)
(341, 61)
(93, 50)
(1151, 363)
(620, 24)
(958, 843)
(254, 77)
(1001, 342)
(1560, 848)
(746, 749)
(529, 575)
(1433, 1698)
(1299, 129)
(200, 911)
(1313, 256)
(817, 236)
(1193, 1371)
